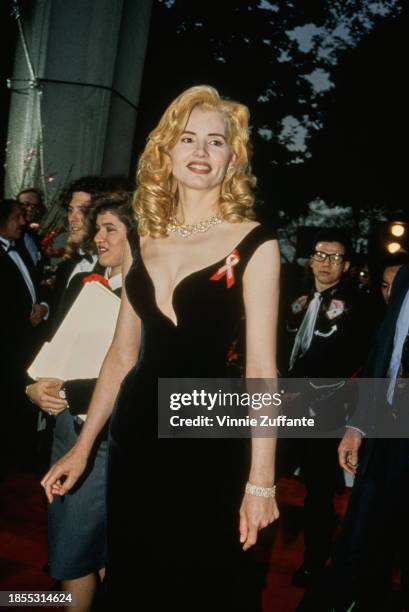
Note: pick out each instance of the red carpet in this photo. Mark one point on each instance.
(23, 536)
(284, 552)
(23, 540)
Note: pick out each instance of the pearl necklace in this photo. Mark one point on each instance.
(186, 230)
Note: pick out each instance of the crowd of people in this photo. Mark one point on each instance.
(190, 263)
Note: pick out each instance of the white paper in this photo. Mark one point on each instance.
(80, 344)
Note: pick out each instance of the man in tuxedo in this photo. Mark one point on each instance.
(22, 314)
(76, 200)
(376, 528)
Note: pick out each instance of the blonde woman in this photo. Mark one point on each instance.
(182, 507)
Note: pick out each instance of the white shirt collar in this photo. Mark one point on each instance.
(115, 282)
(5, 242)
(83, 266)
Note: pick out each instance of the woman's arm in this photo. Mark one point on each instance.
(121, 357)
(261, 290)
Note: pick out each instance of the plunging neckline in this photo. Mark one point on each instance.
(186, 277)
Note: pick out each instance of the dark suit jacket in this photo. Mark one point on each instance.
(342, 333)
(19, 339)
(365, 417)
(63, 296)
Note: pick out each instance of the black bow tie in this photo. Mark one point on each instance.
(87, 256)
(77, 257)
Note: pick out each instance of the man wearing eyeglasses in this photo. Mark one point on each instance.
(329, 328)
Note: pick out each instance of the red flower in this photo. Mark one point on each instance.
(55, 252)
(96, 278)
(47, 243)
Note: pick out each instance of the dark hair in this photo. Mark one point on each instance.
(397, 259)
(95, 185)
(32, 190)
(88, 184)
(334, 235)
(119, 204)
(6, 208)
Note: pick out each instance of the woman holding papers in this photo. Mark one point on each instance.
(200, 263)
(77, 523)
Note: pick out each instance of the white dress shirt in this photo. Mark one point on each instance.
(115, 282)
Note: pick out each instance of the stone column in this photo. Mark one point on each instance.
(95, 50)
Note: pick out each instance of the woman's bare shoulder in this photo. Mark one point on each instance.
(239, 230)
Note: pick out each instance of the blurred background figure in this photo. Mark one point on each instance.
(23, 310)
(360, 273)
(31, 200)
(391, 267)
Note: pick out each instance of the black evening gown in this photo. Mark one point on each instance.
(173, 505)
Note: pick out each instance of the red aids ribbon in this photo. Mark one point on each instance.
(227, 270)
(97, 278)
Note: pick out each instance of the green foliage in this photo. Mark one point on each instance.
(283, 59)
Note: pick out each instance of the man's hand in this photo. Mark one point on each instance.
(45, 393)
(38, 313)
(348, 450)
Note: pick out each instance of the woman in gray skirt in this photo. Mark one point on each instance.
(76, 522)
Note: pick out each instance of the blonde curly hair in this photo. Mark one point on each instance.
(156, 197)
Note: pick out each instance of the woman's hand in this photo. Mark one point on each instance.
(45, 394)
(63, 475)
(255, 514)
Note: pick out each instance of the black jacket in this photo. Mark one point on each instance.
(342, 333)
(63, 297)
(19, 339)
(379, 358)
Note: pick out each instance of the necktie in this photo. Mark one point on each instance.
(88, 257)
(305, 332)
(401, 331)
(81, 254)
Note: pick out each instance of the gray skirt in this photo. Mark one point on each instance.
(77, 521)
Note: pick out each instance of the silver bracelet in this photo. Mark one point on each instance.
(252, 489)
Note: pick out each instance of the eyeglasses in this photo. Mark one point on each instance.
(335, 258)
